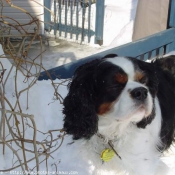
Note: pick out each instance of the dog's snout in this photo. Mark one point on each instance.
(139, 93)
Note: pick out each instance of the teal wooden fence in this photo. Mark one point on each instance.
(147, 48)
(74, 19)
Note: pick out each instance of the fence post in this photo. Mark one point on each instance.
(171, 24)
(171, 20)
(47, 15)
(99, 22)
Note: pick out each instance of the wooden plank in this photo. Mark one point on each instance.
(146, 57)
(133, 49)
(30, 27)
(99, 25)
(28, 9)
(89, 21)
(154, 54)
(161, 52)
(21, 21)
(65, 19)
(25, 3)
(172, 14)
(16, 34)
(77, 19)
(59, 16)
(170, 47)
(20, 15)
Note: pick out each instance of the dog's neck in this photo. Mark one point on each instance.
(112, 129)
(110, 144)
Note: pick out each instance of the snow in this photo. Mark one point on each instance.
(47, 111)
(118, 22)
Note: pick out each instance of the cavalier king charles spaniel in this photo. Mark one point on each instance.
(121, 112)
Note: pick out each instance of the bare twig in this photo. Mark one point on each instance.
(15, 123)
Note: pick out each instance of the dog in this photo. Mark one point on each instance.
(121, 112)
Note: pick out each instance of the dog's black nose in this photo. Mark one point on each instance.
(139, 93)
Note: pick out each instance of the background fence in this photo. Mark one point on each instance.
(146, 48)
(77, 20)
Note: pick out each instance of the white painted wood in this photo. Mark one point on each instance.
(15, 16)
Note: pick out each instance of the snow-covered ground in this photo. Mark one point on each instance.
(47, 111)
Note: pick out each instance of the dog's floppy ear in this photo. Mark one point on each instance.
(166, 63)
(80, 118)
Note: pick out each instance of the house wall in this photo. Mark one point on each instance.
(15, 16)
(151, 18)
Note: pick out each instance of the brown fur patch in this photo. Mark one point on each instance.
(138, 76)
(104, 108)
(121, 78)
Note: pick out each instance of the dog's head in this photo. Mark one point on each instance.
(117, 88)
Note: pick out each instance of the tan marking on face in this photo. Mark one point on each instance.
(121, 78)
(104, 108)
(138, 76)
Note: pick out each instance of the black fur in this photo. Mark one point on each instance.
(146, 121)
(167, 63)
(151, 82)
(161, 75)
(81, 119)
(166, 95)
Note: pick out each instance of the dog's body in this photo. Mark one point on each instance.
(124, 105)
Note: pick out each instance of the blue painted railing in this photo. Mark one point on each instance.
(99, 24)
(47, 15)
(153, 46)
(73, 20)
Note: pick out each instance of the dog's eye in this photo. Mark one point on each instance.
(121, 78)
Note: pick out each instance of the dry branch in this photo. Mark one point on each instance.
(14, 123)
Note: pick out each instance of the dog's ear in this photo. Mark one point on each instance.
(81, 119)
(166, 63)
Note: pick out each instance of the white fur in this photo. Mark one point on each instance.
(137, 147)
(134, 145)
(125, 64)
